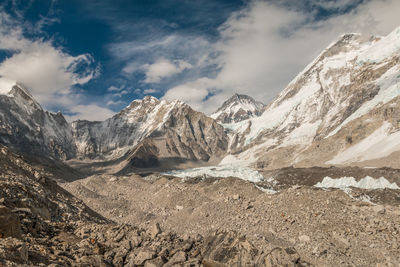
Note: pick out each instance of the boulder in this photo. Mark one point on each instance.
(155, 230)
(9, 223)
(282, 257)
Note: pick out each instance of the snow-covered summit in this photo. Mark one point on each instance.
(26, 127)
(6, 85)
(148, 129)
(383, 49)
(347, 100)
(312, 119)
(238, 108)
(11, 88)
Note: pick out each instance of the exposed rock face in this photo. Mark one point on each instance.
(339, 110)
(367, 141)
(149, 131)
(115, 136)
(318, 114)
(238, 108)
(26, 127)
(144, 134)
(9, 223)
(28, 191)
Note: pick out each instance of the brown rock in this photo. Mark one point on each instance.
(211, 263)
(157, 262)
(9, 224)
(142, 256)
(155, 230)
(13, 250)
(178, 257)
(304, 239)
(282, 257)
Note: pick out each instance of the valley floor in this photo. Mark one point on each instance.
(153, 219)
(326, 227)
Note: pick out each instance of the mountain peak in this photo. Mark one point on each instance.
(13, 88)
(237, 108)
(16, 90)
(150, 98)
(146, 101)
(6, 85)
(241, 97)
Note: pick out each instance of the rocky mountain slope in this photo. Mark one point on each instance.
(238, 108)
(148, 132)
(339, 110)
(26, 127)
(343, 109)
(151, 132)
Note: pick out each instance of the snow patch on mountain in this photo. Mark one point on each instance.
(238, 108)
(389, 84)
(379, 144)
(304, 134)
(382, 49)
(224, 171)
(25, 126)
(365, 183)
(281, 115)
(233, 160)
(336, 88)
(250, 155)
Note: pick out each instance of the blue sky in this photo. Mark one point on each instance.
(89, 59)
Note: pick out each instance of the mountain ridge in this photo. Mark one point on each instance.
(346, 81)
(237, 108)
(354, 82)
(145, 130)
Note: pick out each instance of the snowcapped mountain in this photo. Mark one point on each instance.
(238, 108)
(150, 131)
(26, 127)
(343, 109)
(341, 106)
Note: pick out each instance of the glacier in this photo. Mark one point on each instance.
(223, 171)
(365, 183)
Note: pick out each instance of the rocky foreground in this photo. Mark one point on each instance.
(156, 220)
(326, 228)
(41, 224)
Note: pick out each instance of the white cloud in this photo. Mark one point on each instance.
(164, 68)
(125, 50)
(89, 112)
(120, 93)
(115, 103)
(117, 92)
(194, 93)
(131, 67)
(45, 69)
(150, 91)
(176, 52)
(184, 46)
(335, 4)
(264, 46)
(113, 88)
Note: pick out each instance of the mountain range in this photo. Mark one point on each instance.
(238, 108)
(342, 109)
